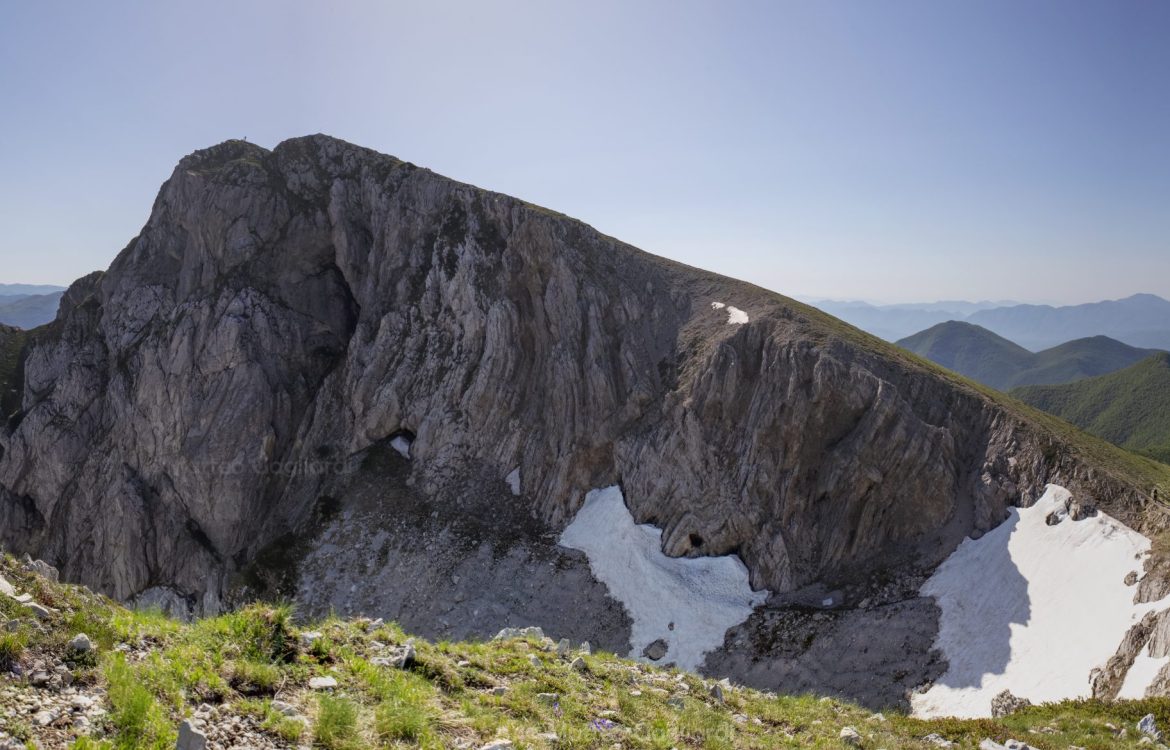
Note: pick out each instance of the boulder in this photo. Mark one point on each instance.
(1005, 703)
(190, 738)
(81, 644)
(656, 650)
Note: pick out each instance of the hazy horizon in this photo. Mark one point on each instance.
(897, 153)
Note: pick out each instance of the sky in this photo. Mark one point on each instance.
(897, 151)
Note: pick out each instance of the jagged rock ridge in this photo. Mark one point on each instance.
(284, 311)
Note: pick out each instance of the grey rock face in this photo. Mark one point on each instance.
(284, 311)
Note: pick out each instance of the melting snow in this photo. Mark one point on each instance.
(513, 481)
(1032, 608)
(701, 597)
(1141, 675)
(402, 445)
(735, 316)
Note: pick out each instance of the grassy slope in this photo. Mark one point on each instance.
(242, 661)
(1130, 408)
(973, 351)
(1079, 359)
(984, 356)
(1140, 472)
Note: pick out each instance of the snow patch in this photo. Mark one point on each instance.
(513, 481)
(402, 445)
(1141, 675)
(688, 602)
(1031, 608)
(735, 316)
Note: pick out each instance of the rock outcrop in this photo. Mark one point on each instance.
(284, 311)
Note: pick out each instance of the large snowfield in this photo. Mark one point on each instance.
(1033, 608)
(688, 602)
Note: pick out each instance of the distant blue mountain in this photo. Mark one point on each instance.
(1142, 320)
(28, 290)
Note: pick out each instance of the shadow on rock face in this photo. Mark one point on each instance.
(440, 570)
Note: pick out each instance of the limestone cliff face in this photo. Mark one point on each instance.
(283, 311)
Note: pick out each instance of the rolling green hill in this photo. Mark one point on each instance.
(1130, 407)
(993, 360)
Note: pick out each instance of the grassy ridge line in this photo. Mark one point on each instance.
(156, 671)
(1140, 472)
(1130, 408)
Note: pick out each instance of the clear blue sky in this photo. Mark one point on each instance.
(893, 151)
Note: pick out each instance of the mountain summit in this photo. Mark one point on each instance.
(324, 372)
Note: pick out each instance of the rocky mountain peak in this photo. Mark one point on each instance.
(284, 313)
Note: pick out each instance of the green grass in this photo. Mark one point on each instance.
(136, 714)
(243, 660)
(11, 649)
(1130, 408)
(337, 723)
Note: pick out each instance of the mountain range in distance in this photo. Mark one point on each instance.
(1140, 320)
(23, 310)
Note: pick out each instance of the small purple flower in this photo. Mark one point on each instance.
(601, 725)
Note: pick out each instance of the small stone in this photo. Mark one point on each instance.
(322, 683)
(6, 588)
(1079, 510)
(563, 647)
(499, 691)
(716, 692)
(990, 744)
(1131, 578)
(578, 664)
(41, 568)
(676, 702)
(534, 660)
(1149, 727)
(510, 633)
(498, 745)
(309, 638)
(586, 648)
(549, 698)
(850, 736)
(43, 718)
(41, 612)
(286, 709)
(656, 650)
(81, 644)
(938, 740)
(190, 737)
(406, 656)
(878, 717)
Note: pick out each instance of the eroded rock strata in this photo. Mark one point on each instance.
(284, 312)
